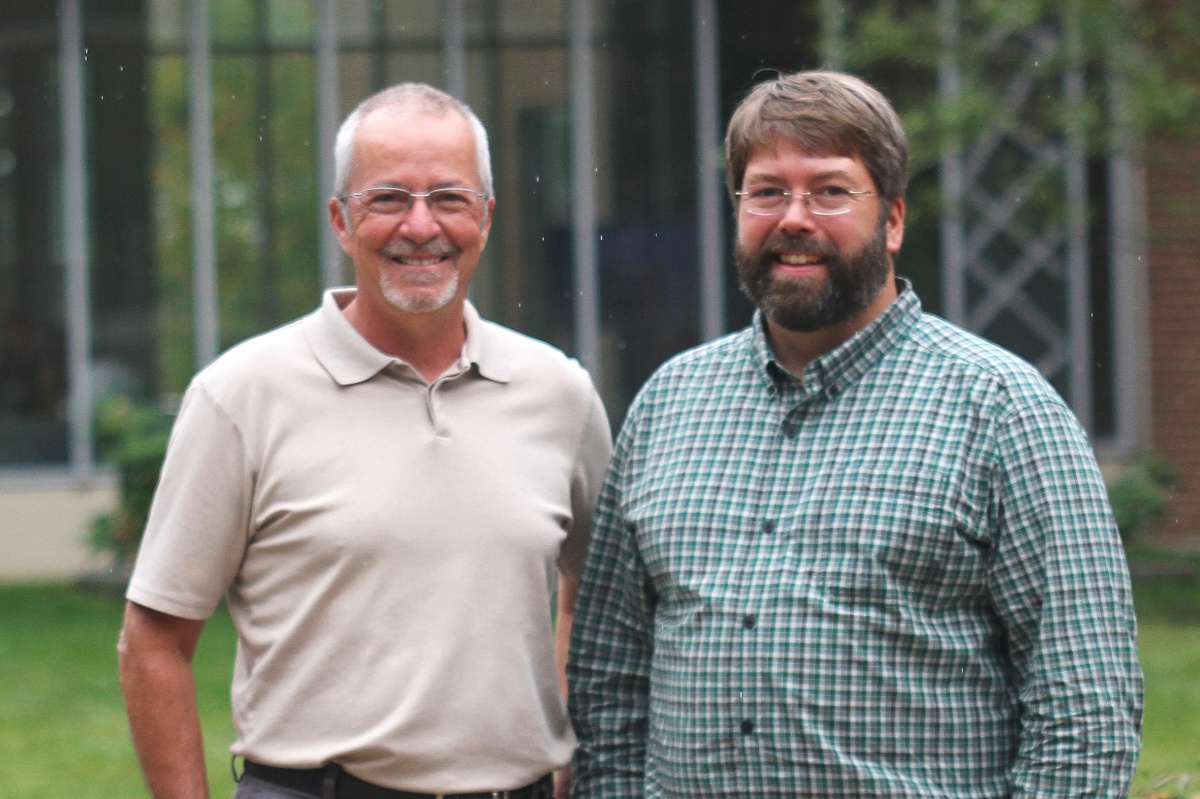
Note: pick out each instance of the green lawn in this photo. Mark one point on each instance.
(62, 719)
(62, 723)
(1169, 641)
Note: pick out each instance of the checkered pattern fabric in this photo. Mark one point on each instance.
(896, 577)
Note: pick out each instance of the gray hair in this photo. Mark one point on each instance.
(428, 100)
(826, 114)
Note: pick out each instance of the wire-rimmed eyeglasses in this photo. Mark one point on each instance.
(389, 200)
(774, 201)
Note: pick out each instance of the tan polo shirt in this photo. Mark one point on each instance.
(387, 547)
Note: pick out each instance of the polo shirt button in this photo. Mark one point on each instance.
(768, 526)
(749, 620)
(747, 727)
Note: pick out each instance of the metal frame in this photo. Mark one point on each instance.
(980, 214)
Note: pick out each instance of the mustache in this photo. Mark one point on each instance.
(405, 248)
(778, 242)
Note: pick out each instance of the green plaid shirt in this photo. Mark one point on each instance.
(898, 577)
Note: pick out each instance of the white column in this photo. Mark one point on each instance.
(204, 233)
(708, 169)
(1079, 292)
(1128, 266)
(583, 179)
(454, 49)
(327, 110)
(953, 182)
(833, 34)
(76, 251)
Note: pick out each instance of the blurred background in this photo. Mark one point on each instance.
(164, 168)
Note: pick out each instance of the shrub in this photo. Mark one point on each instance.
(1141, 495)
(132, 437)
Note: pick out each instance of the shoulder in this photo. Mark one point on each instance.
(707, 379)
(528, 360)
(257, 363)
(996, 375)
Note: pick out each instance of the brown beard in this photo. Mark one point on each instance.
(852, 281)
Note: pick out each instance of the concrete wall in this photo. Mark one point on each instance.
(44, 518)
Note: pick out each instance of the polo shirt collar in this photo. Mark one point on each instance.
(842, 366)
(484, 348)
(350, 359)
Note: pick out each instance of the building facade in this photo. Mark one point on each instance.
(164, 166)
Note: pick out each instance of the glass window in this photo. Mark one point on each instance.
(265, 188)
(33, 380)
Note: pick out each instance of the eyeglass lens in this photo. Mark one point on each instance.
(387, 200)
(825, 202)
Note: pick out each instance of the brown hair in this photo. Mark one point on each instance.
(826, 114)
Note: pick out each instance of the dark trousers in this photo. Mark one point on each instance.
(250, 788)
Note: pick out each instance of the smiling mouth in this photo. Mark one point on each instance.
(800, 259)
(408, 260)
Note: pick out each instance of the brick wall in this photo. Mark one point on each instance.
(1173, 183)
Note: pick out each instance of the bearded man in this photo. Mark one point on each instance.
(851, 550)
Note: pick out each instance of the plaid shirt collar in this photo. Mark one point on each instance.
(835, 371)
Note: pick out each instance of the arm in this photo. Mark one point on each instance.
(568, 592)
(1061, 587)
(156, 653)
(611, 648)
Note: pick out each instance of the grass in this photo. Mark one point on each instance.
(62, 718)
(63, 730)
(1169, 643)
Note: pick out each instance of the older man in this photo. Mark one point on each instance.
(852, 550)
(384, 491)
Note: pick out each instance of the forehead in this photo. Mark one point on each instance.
(401, 144)
(781, 158)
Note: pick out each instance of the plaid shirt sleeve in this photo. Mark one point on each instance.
(1060, 584)
(611, 649)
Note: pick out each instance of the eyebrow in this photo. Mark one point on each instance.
(828, 174)
(390, 184)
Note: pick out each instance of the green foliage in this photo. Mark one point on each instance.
(1148, 48)
(131, 437)
(1141, 496)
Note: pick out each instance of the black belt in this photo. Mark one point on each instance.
(333, 782)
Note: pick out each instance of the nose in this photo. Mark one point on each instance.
(418, 223)
(797, 217)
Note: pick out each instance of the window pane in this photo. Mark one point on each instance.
(33, 380)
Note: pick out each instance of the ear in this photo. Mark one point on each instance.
(491, 208)
(341, 225)
(895, 226)
(490, 211)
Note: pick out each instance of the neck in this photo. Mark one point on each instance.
(796, 349)
(429, 342)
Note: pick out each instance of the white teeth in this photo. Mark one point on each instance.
(420, 261)
(798, 259)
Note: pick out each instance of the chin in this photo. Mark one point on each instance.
(420, 301)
